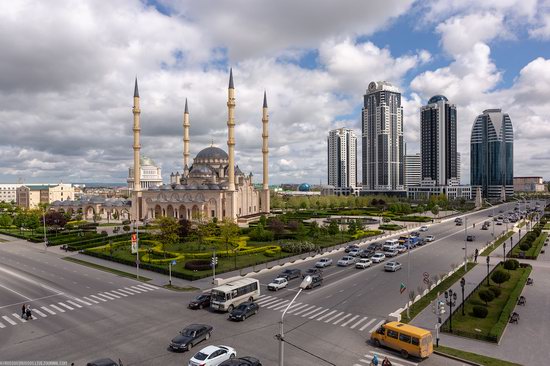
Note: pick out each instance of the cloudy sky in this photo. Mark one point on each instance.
(67, 73)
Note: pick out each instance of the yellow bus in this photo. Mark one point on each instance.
(407, 339)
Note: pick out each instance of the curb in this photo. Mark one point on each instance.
(457, 358)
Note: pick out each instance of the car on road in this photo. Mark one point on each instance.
(290, 274)
(430, 238)
(420, 241)
(391, 253)
(199, 302)
(392, 266)
(102, 362)
(311, 272)
(415, 234)
(401, 248)
(423, 228)
(354, 252)
(485, 227)
(366, 253)
(346, 261)
(316, 281)
(378, 257)
(350, 247)
(375, 246)
(212, 356)
(277, 284)
(458, 223)
(244, 310)
(242, 361)
(363, 263)
(323, 262)
(190, 336)
(470, 238)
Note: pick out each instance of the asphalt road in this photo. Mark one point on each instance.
(82, 313)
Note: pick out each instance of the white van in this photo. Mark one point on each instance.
(390, 245)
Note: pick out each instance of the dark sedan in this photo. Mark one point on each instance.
(190, 336)
(199, 302)
(244, 310)
(242, 361)
(311, 272)
(290, 274)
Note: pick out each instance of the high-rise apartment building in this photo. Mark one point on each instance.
(458, 167)
(413, 170)
(438, 141)
(492, 154)
(382, 138)
(342, 160)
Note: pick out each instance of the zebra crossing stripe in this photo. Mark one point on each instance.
(292, 306)
(18, 316)
(334, 317)
(149, 286)
(47, 310)
(39, 313)
(9, 320)
(138, 289)
(57, 308)
(376, 326)
(108, 297)
(146, 288)
(358, 322)
(366, 325)
(270, 302)
(126, 291)
(74, 304)
(132, 290)
(118, 293)
(304, 310)
(2, 325)
(111, 294)
(97, 297)
(296, 308)
(350, 320)
(342, 318)
(281, 306)
(261, 296)
(82, 301)
(284, 303)
(65, 306)
(326, 315)
(319, 313)
(392, 357)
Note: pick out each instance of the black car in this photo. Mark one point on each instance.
(290, 274)
(199, 302)
(420, 242)
(366, 253)
(190, 336)
(375, 247)
(311, 272)
(350, 247)
(242, 361)
(415, 234)
(244, 310)
(103, 362)
(470, 238)
(315, 282)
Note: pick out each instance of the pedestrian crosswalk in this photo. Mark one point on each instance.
(395, 360)
(321, 314)
(40, 311)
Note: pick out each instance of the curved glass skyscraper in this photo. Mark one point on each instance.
(492, 155)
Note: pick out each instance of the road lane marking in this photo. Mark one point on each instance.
(326, 315)
(359, 322)
(82, 301)
(15, 292)
(65, 306)
(267, 301)
(132, 290)
(47, 310)
(393, 357)
(349, 321)
(281, 307)
(305, 309)
(74, 303)
(24, 302)
(111, 294)
(342, 318)
(284, 303)
(126, 291)
(143, 288)
(310, 311)
(9, 320)
(291, 307)
(319, 313)
(2, 325)
(296, 308)
(18, 317)
(39, 313)
(97, 297)
(334, 317)
(367, 324)
(57, 308)
(150, 286)
(377, 325)
(118, 293)
(138, 289)
(105, 296)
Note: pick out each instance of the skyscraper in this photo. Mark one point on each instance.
(438, 141)
(412, 170)
(342, 160)
(491, 151)
(382, 133)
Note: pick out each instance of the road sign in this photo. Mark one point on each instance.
(134, 244)
(402, 288)
(173, 263)
(134, 238)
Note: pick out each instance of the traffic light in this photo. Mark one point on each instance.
(441, 307)
(214, 261)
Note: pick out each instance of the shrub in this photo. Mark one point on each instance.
(480, 311)
(126, 222)
(486, 295)
(198, 265)
(495, 290)
(500, 276)
(511, 264)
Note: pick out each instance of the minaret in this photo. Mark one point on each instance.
(137, 147)
(265, 150)
(231, 132)
(185, 141)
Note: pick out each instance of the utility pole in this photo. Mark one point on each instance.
(465, 244)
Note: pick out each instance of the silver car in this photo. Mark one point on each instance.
(346, 261)
(392, 266)
(323, 262)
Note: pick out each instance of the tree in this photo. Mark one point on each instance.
(486, 295)
(168, 231)
(276, 226)
(314, 230)
(5, 220)
(55, 219)
(359, 224)
(435, 210)
(263, 220)
(352, 229)
(500, 276)
(229, 231)
(185, 228)
(333, 228)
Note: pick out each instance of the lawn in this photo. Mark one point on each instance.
(535, 249)
(491, 327)
(474, 357)
(497, 243)
(547, 226)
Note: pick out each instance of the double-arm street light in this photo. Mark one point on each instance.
(450, 300)
(305, 283)
(488, 259)
(462, 284)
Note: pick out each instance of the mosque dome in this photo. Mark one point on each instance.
(144, 160)
(211, 153)
(304, 187)
(437, 98)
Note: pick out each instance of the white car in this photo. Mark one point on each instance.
(363, 263)
(212, 356)
(401, 248)
(277, 284)
(323, 262)
(346, 261)
(354, 252)
(378, 257)
(392, 266)
(424, 228)
(391, 253)
(430, 238)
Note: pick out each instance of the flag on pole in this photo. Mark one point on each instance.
(402, 288)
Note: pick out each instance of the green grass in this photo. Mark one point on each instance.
(418, 306)
(181, 289)
(522, 224)
(473, 357)
(491, 327)
(497, 243)
(547, 226)
(390, 227)
(535, 249)
(106, 269)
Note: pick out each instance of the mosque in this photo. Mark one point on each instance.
(212, 186)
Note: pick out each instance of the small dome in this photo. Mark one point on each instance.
(200, 171)
(437, 98)
(212, 152)
(304, 187)
(144, 160)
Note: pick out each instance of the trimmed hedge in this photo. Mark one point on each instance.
(480, 311)
(198, 265)
(389, 227)
(413, 218)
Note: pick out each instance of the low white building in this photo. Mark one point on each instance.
(428, 188)
(8, 192)
(150, 173)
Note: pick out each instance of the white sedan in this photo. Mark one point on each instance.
(391, 253)
(323, 262)
(392, 266)
(277, 284)
(424, 228)
(430, 238)
(378, 257)
(346, 261)
(363, 263)
(212, 356)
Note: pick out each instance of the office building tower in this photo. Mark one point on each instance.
(438, 141)
(458, 167)
(342, 160)
(382, 138)
(491, 152)
(413, 170)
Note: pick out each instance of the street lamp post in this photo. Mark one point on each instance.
(45, 237)
(462, 284)
(504, 249)
(450, 300)
(511, 243)
(408, 277)
(305, 283)
(465, 244)
(487, 259)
